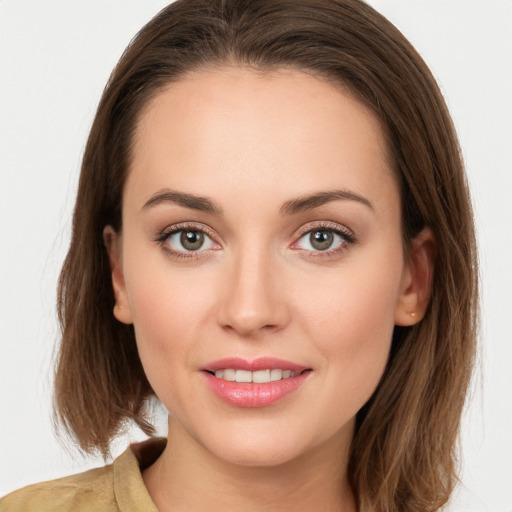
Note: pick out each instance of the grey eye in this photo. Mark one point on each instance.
(321, 240)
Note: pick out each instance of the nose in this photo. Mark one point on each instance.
(253, 296)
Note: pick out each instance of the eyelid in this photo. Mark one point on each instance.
(345, 233)
(183, 226)
(327, 226)
(167, 232)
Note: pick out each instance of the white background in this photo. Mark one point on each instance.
(55, 57)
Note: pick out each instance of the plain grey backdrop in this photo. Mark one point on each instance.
(55, 57)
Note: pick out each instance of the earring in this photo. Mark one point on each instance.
(412, 313)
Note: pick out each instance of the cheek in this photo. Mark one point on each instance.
(354, 306)
(166, 331)
(167, 311)
(352, 324)
(167, 307)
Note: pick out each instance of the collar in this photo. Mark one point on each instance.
(130, 491)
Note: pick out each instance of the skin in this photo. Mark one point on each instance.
(251, 142)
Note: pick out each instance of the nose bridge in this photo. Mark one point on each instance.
(253, 298)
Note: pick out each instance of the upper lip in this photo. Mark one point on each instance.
(261, 363)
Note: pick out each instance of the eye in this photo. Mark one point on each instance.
(320, 240)
(189, 240)
(323, 239)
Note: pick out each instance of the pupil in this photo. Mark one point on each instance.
(321, 240)
(192, 240)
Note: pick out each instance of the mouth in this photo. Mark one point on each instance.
(256, 383)
(258, 377)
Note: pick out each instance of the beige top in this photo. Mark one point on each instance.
(117, 487)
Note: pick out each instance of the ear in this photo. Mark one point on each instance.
(112, 240)
(416, 280)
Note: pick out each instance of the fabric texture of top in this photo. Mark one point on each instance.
(117, 487)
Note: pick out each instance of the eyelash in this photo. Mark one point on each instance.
(348, 239)
(166, 234)
(347, 236)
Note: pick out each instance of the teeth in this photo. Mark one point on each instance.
(276, 375)
(261, 376)
(243, 376)
(258, 377)
(229, 375)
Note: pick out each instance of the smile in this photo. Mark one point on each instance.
(256, 383)
(259, 376)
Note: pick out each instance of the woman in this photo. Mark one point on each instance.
(273, 206)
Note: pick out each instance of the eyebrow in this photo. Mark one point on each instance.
(291, 207)
(203, 204)
(312, 201)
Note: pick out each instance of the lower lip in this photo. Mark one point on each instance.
(242, 394)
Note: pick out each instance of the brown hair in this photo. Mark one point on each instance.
(402, 455)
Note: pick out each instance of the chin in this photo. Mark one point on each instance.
(261, 445)
(252, 456)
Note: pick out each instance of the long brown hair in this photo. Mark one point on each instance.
(403, 454)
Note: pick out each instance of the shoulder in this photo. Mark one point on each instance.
(113, 488)
(90, 491)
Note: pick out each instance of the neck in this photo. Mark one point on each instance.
(189, 477)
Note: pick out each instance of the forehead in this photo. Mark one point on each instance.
(285, 128)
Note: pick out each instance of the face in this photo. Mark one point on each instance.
(261, 242)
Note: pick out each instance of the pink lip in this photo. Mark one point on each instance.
(262, 363)
(253, 394)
